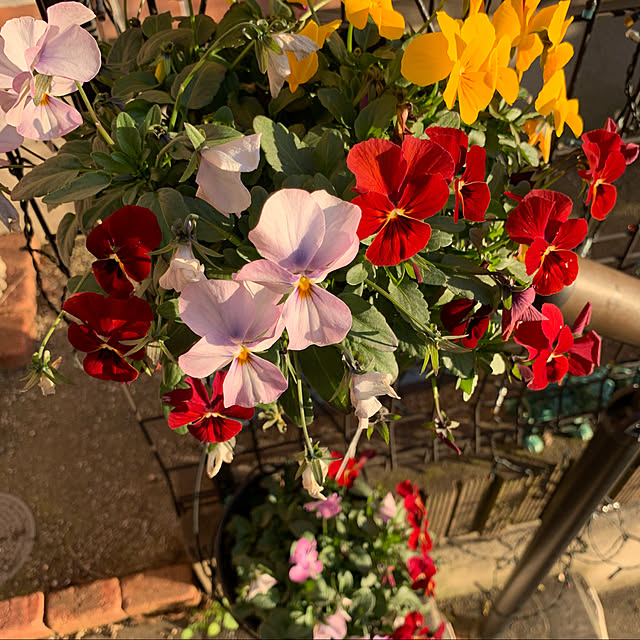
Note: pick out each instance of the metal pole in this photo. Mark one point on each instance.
(613, 448)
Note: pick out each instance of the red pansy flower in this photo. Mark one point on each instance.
(105, 325)
(416, 516)
(602, 148)
(414, 627)
(471, 191)
(629, 150)
(584, 355)
(541, 221)
(422, 569)
(122, 244)
(351, 471)
(522, 310)
(399, 187)
(459, 319)
(206, 416)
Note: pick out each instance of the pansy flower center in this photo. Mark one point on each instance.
(244, 357)
(305, 289)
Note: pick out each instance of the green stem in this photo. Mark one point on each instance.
(314, 15)
(196, 68)
(56, 322)
(242, 54)
(427, 24)
(436, 396)
(350, 39)
(303, 420)
(167, 147)
(319, 5)
(103, 132)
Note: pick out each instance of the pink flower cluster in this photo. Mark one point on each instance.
(40, 62)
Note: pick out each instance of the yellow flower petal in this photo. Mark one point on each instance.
(550, 93)
(556, 59)
(425, 60)
(391, 24)
(357, 12)
(507, 23)
(451, 91)
(474, 94)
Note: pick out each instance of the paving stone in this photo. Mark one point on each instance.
(22, 617)
(159, 589)
(85, 606)
(18, 306)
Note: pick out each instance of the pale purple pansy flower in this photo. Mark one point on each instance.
(58, 53)
(302, 237)
(184, 269)
(388, 508)
(218, 177)
(260, 585)
(326, 508)
(333, 627)
(305, 561)
(278, 63)
(364, 388)
(234, 324)
(10, 139)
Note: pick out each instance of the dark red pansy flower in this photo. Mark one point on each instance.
(422, 569)
(414, 627)
(584, 355)
(459, 319)
(351, 471)
(547, 342)
(541, 221)
(399, 187)
(122, 244)
(629, 150)
(105, 325)
(416, 516)
(206, 416)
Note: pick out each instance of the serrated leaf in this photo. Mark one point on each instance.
(369, 326)
(409, 296)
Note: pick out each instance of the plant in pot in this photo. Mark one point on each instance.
(354, 565)
(274, 207)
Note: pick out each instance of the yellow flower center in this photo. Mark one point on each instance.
(305, 287)
(394, 213)
(244, 356)
(104, 345)
(45, 100)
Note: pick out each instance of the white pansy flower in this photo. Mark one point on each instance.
(184, 269)
(278, 64)
(221, 452)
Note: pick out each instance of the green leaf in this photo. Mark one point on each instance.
(169, 309)
(128, 136)
(431, 275)
(283, 149)
(459, 364)
(66, 235)
(409, 296)
(468, 386)
(110, 163)
(84, 186)
(447, 119)
(229, 622)
(338, 105)
(52, 174)
(204, 26)
(205, 232)
(328, 153)
(324, 371)
(196, 137)
(376, 117)
(125, 49)
(168, 205)
(357, 274)
(105, 205)
(154, 24)
(369, 326)
(133, 83)
(530, 154)
(203, 87)
(181, 38)
(438, 240)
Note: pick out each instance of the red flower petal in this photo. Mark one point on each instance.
(475, 200)
(565, 341)
(108, 365)
(475, 169)
(583, 319)
(604, 199)
(424, 197)
(375, 209)
(215, 429)
(112, 278)
(559, 270)
(570, 234)
(531, 336)
(584, 355)
(427, 157)
(378, 166)
(454, 141)
(398, 240)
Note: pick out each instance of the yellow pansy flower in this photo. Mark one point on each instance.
(303, 70)
(558, 54)
(539, 132)
(553, 98)
(390, 22)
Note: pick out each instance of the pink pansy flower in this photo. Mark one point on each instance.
(388, 508)
(184, 269)
(234, 324)
(326, 508)
(305, 561)
(61, 50)
(218, 177)
(303, 237)
(333, 627)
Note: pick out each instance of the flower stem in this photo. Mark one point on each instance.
(318, 6)
(166, 147)
(221, 231)
(103, 132)
(303, 419)
(242, 54)
(350, 39)
(196, 68)
(427, 24)
(314, 15)
(436, 396)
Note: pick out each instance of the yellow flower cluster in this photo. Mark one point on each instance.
(475, 56)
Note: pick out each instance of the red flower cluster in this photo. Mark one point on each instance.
(414, 627)
(122, 244)
(541, 220)
(422, 569)
(459, 319)
(416, 516)
(471, 191)
(608, 157)
(106, 327)
(399, 187)
(554, 350)
(351, 471)
(206, 416)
